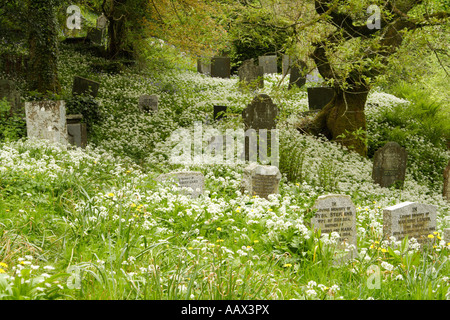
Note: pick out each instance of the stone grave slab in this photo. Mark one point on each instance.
(76, 130)
(446, 236)
(337, 213)
(47, 120)
(446, 189)
(261, 180)
(148, 103)
(298, 74)
(203, 67)
(286, 63)
(221, 67)
(409, 219)
(83, 86)
(389, 165)
(319, 97)
(251, 75)
(269, 63)
(186, 179)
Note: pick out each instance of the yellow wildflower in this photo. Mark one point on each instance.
(2, 271)
(110, 194)
(287, 265)
(4, 265)
(430, 236)
(219, 229)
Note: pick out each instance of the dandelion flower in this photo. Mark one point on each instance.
(219, 229)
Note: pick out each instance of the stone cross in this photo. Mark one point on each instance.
(261, 180)
(389, 165)
(47, 120)
(409, 219)
(337, 213)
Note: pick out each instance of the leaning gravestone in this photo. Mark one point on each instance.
(389, 165)
(46, 120)
(261, 116)
(251, 75)
(337, 213)
(269, 63)
(298, 74)
(409, 219)
(319, 97)
(83, 86)
(220, 67)
(8, 90)
(260, 180)
(192, 180)
(148, 103)
(446, 191)
(76, 130)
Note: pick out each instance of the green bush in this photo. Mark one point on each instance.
(12, 126)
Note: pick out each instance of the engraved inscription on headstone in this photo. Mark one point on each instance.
(446, 190)
(46, 120)
(337, 213)
(192, 182)
(269, 63)
(260, 180)
(409, 219)
(148, 103)
(83, 86)
(389, 164)
(221, 67)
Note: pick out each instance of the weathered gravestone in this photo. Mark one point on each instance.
(192, 182)
(76, 130)
(95, 36)
(313, 76)
(286, 63)
(446, 191)
(102, 22)
(447, 236)
(46, 120)
(148, 103)
(260, 180)
(319, 97)
(337, 213)
(220, 67)
(203, 67)
(298, 74)
(269, 64)
(83, 86)
(411, 219)
(389, 165)
(261, 116)
(8, 90)
(218, 112)
(251, 75)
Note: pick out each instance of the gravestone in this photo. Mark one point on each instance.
(297, 77)
(269, 63)
(313, 76)
(337, 213)
(409, 219)
(319, 97)
(260, 180)
(251, 75)
(148, 103)
(389, 165)
(95, 36)
(203, 67)
(446, 190)
(286, 63)
(46, 120)
(220, 67)
(83, 86)
(261, 116)
(218, 112)
(8, 90)
(186, 179)
(76, 130)
(102, 22)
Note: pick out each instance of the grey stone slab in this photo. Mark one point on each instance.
(298, 74)
(203, 67)
(446, 236)
(286, 62)
(148, 103)
(337, 213)
(319, 97)
(250, 75)
(76, 130)
(261, 180)
(446, 189)
(221, 67)
(47, 120)
(389, 165)
(102, 22)
(261, 113)
(411, 219)
(192, 180)
(269, 63)
(83, 86)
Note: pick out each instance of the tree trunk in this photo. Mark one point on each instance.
(116, 29)
(343, 120)
(42, 70)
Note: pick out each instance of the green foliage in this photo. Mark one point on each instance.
(87, 106)
(12, 127)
